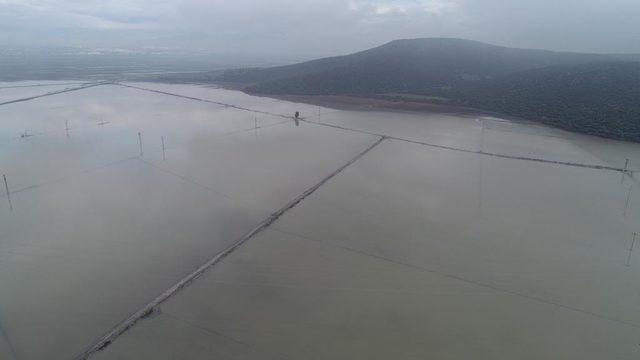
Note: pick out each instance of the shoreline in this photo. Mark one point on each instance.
(365, 103)
(362, 103)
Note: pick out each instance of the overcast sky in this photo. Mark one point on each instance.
(320, 27)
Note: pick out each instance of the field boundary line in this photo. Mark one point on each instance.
(108, 338)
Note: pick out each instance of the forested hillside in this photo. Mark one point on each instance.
(599, 99)
(592, 93)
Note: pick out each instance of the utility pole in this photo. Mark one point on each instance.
(6, 186)
(633, 243)
(626, 206)
(140, 142)
(164, 157)
(481, 135)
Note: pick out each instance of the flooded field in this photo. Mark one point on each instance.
(367, 234)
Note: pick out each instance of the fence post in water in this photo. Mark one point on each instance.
(6, 187)
(255, 122)
(626, 206)
(481, 135)
(140, 142)
(164, 158)
(626, 170)
(633, 243)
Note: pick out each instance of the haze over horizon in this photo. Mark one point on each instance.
(338, 26)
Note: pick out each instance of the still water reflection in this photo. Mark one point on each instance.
(97, 230)
(412, 252)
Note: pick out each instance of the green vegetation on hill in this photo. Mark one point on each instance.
(600, 99)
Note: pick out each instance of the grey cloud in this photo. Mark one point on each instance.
(322, 26)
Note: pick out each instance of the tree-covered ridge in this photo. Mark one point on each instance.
(410, 66)
(590, 93)
(600, 99)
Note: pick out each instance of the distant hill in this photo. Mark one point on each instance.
(403, 66)
(590, 93)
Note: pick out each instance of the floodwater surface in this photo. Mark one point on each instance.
(95, 228)
(455, 237)
(442, 255)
